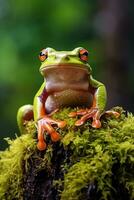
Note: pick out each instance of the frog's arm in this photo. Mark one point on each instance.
(39, 103)
(44, 122)
(100, 95)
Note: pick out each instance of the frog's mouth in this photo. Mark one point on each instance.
(63, 67)
(61, 77)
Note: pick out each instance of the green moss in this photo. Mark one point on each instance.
(95, 152)
(11, 166)
(98, 156)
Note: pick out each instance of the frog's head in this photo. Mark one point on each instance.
(52, 59)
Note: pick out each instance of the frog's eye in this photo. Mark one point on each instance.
(43, 55)
(83, 54)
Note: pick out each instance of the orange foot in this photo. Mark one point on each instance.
(45, 124)
(93, 113)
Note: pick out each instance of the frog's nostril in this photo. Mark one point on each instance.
(62, 57)
(65, 57)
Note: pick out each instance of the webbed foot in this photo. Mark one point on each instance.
(93, 113)
(45, 124)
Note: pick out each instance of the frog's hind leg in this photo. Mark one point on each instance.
(25, 113)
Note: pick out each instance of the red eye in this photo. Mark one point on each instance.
(83, 54)
(43, 55)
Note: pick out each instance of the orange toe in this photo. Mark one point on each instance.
(62, 124)
(96, 124)
(79, 122)
(55, 136)
(72, 114)
(41, 145)
(116, 114)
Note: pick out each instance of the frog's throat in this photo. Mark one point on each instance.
(47, 68)
(60, 78)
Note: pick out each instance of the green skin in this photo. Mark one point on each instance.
(67, 82)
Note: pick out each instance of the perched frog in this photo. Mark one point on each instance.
(68, 82)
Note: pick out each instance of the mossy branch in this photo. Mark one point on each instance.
(86, 163)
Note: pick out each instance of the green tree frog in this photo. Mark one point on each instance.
(68, 82)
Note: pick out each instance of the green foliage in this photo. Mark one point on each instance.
(95, 152)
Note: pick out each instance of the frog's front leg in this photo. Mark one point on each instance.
(97, 110)
(44, 121)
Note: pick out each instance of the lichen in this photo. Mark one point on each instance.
(100, 158)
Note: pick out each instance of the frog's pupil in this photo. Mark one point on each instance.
(42, 54)
(85, 53)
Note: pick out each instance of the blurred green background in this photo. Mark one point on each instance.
(104, 27)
